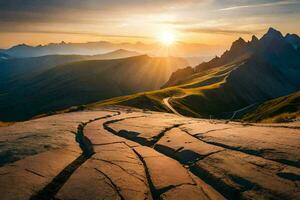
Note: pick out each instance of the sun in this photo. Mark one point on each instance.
(167, 38)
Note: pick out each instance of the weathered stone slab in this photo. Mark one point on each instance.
(188, 159)
(88, 183)
(26, 177)
(164, 171)
(118, 166)
(171, 180)
(184, 147)
(28, 138)
(279, 144)
(240, 175)
(209, 191)
(206, 126)
(185, 192)
(146, 128)
(97, 134)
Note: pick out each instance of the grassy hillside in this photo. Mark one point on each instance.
(198, 86)
(282, 109)
(247, 75)
(84, 82)
(228, 86)
(218, 92)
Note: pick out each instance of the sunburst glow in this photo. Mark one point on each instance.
(167, 38)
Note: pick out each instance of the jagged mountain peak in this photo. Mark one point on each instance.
(269, 46)
(292, 36)
(294, 40)
(273, 30)
(273, 34)
(254, 38)
(289, 35)
(240, 43)
(241, 77)
(21, 45)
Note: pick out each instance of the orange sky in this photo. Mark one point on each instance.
(212, 22)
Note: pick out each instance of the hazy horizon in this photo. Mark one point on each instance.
(186, 110)
(206, 22)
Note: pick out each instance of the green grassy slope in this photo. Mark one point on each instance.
(282, 109)
(248, 74)
(196, 87)
(217, 92)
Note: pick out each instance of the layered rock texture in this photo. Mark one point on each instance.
(124, 153)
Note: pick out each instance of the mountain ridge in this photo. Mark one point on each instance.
(101, 47)
(76, 83)
(241, 50)
(249, 73)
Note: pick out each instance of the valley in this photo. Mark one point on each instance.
(227, 87)
(150, 100)
(34, 86)
(230, 86)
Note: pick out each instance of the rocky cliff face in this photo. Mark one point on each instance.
(271, 44)
(273, 49)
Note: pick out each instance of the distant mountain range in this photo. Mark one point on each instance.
(196, 52)
(4, 56)
(23, 69)
(245, 76)
(91, 48)
(248, 81)
(33, 86)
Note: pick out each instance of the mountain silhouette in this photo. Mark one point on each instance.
(294, 40)
(101, 47)
(58, 82)
(246, 75)
(23, 69)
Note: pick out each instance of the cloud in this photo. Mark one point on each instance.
(144, 18)
(279, 3)
(82, 12)
(86, 5)
(221, 31)
(80, 33)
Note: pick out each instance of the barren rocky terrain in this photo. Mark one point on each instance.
(124, 153)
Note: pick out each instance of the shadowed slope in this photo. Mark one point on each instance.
(282, 109)
(84, 82)
(16, 71)
(248, 74)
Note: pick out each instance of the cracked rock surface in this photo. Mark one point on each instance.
(124, 153)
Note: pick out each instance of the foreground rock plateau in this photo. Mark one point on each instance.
(124, 153)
